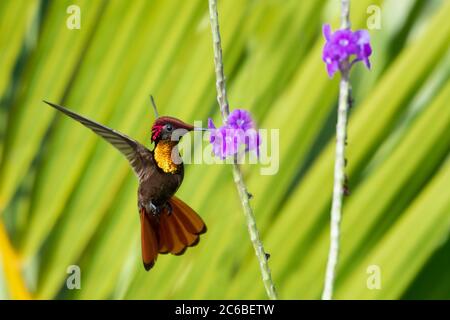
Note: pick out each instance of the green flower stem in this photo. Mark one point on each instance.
(237, 174)
(339, 168)
(345, 14)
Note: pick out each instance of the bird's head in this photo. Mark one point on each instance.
(169, 128)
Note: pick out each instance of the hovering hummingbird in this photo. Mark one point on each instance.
(168, 225)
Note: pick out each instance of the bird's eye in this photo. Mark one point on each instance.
(169, 127)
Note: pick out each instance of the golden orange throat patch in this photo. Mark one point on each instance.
(163, 156)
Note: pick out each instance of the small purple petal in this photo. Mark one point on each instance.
(364, 54)
(211, 124)
(332, 68)
(240, 119)
(252, 140)
(342, 45)
(326, 30)
(225, 142)
(239, 130)
(367, 50)
(212, 129)
(363, 37)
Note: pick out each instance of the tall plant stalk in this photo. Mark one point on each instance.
(339, 167)
(237, 174)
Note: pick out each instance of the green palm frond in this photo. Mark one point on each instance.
(67, 198)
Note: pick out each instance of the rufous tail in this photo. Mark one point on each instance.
(172, 233)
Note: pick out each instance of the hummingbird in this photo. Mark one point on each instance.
(168, 225)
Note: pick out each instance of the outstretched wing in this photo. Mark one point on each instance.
(131, 149)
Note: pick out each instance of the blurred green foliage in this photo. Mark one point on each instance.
(66, 197)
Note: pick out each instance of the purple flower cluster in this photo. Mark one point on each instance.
(239, 130)
(341, 45)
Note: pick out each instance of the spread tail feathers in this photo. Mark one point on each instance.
(149, 241)
(173, 233)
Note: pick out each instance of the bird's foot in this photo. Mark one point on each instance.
(155, 209)
(169, 208)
